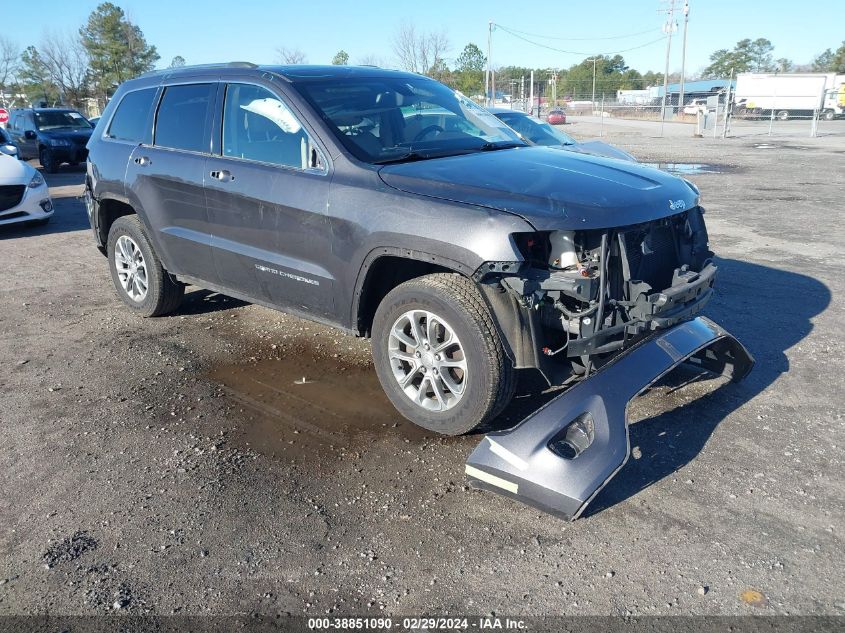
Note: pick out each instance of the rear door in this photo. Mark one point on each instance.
(267, 190)
(166, 178)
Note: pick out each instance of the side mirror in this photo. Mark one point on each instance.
(29, 134)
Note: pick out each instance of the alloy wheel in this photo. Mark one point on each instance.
(131, 268)
(427, 360)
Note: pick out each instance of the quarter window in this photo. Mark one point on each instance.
(258, 126)
(182, 117)
(130, 120)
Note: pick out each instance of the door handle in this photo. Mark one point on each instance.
(223, 175)
(143, 160)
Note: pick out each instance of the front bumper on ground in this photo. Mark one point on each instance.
(519, 462)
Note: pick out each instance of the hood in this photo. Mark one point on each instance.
(14, 171)
(549, 188)
(600, 148)
(76, 136)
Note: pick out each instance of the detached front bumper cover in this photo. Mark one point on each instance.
(590, 420)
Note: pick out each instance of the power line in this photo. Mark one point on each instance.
(560, 50)
(576, 39)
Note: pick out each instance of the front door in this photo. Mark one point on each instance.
(166, 179)
(267, 192)
(27, 140)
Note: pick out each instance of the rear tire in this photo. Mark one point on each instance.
(828, 115)
(446, 307)
(782, 115)
(141, 281)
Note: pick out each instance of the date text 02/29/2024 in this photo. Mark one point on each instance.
(416, 624)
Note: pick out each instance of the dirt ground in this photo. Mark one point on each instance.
(233, 460)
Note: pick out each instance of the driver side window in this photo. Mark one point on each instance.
(258, 126)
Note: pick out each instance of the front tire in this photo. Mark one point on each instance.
(48, 161)
(141, 281)
(439, 356)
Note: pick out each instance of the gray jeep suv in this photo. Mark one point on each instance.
(390, 206)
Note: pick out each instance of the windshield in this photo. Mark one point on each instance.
(536, 131)
(386, 119)
(56, 119)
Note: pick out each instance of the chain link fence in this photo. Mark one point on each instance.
(717, 115)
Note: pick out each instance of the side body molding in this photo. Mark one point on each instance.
(518, 462)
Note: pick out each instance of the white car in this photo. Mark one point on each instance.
(695, 106)
(24, 196)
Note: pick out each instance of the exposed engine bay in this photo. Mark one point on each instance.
(581, 296)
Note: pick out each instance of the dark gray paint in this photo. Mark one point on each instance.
(564, 487)
(548, 188)
(330, 227)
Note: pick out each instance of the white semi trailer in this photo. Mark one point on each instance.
(789, 95)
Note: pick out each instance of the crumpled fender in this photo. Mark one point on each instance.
(518, 463)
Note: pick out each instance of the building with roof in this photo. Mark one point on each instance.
(698, 89)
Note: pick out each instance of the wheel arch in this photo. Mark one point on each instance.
(108, 209)
(385, 268)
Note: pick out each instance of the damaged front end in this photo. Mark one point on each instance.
(582, 296)
(612, 311)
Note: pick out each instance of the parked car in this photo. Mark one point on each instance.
(52, 135)
(93, 121)
(695, 106)
(7, 145)
(24, 196)
(539, 132)
(392, 207)
(556, 117)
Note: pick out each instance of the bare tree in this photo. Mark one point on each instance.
(405, 47)
(10, 56)
(371, 60)
(423, 53)
(67, 63)
(291, 55)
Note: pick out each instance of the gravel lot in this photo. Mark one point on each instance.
(175, 465)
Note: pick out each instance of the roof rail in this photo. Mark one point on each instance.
(234, 64)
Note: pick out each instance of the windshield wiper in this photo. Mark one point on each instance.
(403, 158)
(489, 147)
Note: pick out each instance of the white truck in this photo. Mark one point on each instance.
(788, 95)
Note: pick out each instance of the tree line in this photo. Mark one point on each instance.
(757, 56)
(81, 69)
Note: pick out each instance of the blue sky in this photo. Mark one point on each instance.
(252, 30)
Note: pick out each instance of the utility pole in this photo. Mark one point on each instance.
(668, 27)
(593, 99)
(531, 90)
(684, 53)
(489, 63)
(727, 106)
(522, 92)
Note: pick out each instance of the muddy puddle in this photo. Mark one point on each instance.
(690, 169)
(300, 403)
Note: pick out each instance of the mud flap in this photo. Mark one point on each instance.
(589, 422)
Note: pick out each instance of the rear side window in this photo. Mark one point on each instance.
(130, 120)
(182, 116)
